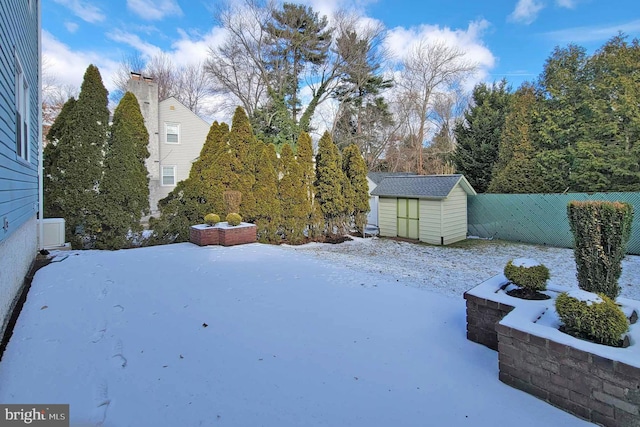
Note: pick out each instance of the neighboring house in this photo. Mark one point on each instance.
(373, 179)
(20, 147)
(176, 137)
(429, 208)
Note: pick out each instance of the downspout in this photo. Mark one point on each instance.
(40, 149)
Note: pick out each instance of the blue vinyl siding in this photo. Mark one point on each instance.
(19, 29)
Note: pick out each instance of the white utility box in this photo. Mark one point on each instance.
(53, 230)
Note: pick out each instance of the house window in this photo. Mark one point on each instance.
(22, 113)
(168, 175)
(172, 132)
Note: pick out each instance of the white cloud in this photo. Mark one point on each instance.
(84, 10)
(68, 66)
(195, 48)
(593, 33)
(133, 40)
(72, 27)
(400, 41)
(526, 11)
(154, 10)
(567, 4)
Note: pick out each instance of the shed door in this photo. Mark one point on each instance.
(408, 214)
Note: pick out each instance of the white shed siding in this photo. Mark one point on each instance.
(454, 218)
(193, 133)
(388, 216)
(430, 221)
(372, 216)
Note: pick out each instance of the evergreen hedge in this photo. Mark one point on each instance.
(601, 231)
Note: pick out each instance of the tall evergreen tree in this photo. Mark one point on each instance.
(304, 155)
(328, 184)
(54, 191)
(478, 136)
(124, 188)
(293, 198)
(211, 174)
(268, 205)
(79, 161)
(516, 170)
(355, 169)
(244, 149)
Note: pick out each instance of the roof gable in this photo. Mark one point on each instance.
(421, 186)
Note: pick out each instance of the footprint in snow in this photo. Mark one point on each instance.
(102, 402)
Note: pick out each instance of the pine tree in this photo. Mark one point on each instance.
(304, 155)
(245, 149)
(478, 136)
(516, 170)
(54, 200)
(293, 197)
(124, 188)
(211, 174)
(268, 208)
(328, 184)
(79, 160)
(355, 169)
(201, 193)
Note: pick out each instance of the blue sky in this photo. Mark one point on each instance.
(506, 38)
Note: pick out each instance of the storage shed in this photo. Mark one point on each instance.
(373, 179)
(429, 208)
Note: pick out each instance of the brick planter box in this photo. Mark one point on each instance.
(595, 382)
(222, 234)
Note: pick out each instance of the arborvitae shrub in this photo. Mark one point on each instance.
(232, 200)
(590, 316)
(527, 274)
(234, 219)
(212, 219)
(601, 231)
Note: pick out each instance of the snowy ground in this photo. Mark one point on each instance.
(259, 335)
(454, 270)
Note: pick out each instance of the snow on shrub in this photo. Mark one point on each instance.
(591, 316)
(527, 273)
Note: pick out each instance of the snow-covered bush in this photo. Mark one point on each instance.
(527, 274)
(212, 219)
(234, 219)
(591, 316)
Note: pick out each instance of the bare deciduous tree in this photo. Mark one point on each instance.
(430, 67)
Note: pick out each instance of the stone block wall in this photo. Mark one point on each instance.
(221, 235)
(482, 317)
(238, 235)
(204, 236)
(598, 389)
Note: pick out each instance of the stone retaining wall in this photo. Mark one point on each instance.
(589, 386)
(482, 317)
(223, 235)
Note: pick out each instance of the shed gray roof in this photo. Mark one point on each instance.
(377, 177)
(421, 186)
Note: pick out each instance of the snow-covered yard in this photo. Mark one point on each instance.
(366, 333)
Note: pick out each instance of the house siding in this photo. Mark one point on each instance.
(19, 32)
(193, 134)
(454, 216)
(430, 221)
(388, 215)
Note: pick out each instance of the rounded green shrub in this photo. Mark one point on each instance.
(595, 317)
(527, 274)
(234, 219)
(212, 219)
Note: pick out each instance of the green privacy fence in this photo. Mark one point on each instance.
(538, 218)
